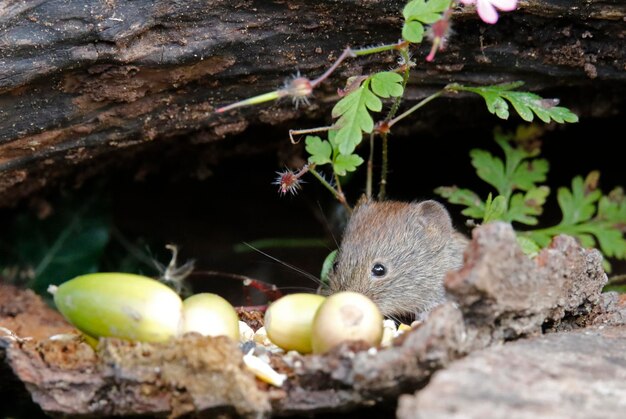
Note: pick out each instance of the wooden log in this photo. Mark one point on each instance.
(83, 83)
(500, 295)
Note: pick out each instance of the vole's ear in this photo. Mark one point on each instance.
(435, 219)
(362, 202)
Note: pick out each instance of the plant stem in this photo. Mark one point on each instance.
(349, 52)
(570, 229)
(265, 97)
(338, 183)
(370, 169)
(381, 48)
(305, 131)
(336, 193)
(382, 189)
(405, 79)
(415, 107)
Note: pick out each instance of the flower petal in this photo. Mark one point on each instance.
(505, 5)
(468, 1)
(486, 11)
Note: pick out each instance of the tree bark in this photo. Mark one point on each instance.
(500, 295)
(85, 82)
(538, 378)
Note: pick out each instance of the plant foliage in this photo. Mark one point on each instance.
(595, 219)
(353, 110)
(416, 13)
(67, 243)
(526, 104)
(354, 118)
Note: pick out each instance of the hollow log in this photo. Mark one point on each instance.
(83, 84)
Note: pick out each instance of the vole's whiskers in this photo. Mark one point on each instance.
(288, 265)
(327, 224)
(305, 289)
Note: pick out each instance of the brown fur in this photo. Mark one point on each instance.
(416, 243)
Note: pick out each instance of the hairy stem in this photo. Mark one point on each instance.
(382, 189)
(306, 131)
(405, 79)
(370, 169)
(338, 183)
(415, 107)
(385, 147)
(349, 53)
(336, 193)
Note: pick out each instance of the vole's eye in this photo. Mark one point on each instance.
(335, 265)
(379, 270)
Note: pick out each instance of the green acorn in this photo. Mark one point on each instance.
(343, 317)
(289, 319)
(121, 305)
(210, 315)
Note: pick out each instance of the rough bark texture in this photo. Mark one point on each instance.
(191, 375)
(500, 295)
(82, 80)
(580, 374)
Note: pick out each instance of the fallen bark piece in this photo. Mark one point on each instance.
(579, 374)
(199, 374)
(506, 295)
(25, 314)
(193, 374)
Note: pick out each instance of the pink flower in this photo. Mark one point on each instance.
(438, 33)
(487, 8)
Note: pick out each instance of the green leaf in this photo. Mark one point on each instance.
(425, 11)
(495, 209)
(616, 283)
(613, 207)
(346, 163)
(354, 117)
(515, 173)
(327, 266)
(387, 84)
(594, 219)
(454, 195)
(541, 237)
(577, 204)
(526, 104)
(413, 32)
(528, 246)
(68, 243)
(525, 208)
(611, 241)
(618, 288)
(562, 115)
(496, 105)
(586, 240)
(320, 150)
(529, 173)
(419, 12)
(489, 168)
